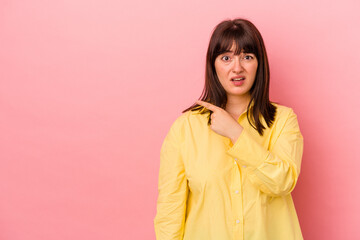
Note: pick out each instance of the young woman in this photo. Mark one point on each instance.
(229, 163)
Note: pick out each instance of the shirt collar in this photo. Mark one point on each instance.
(245, 112)
(251, 105)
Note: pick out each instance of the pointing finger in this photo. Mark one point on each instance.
(207, 105)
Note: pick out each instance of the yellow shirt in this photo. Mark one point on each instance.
(212, 189)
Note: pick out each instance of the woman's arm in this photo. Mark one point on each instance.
(172, 189)
(274, 172)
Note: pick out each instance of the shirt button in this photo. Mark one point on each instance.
(237, 191)
(237, 221)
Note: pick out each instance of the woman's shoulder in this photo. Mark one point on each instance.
(189, 119)
(189, 116)
(196, 115)
(181, 119)
(284, 114)
(283, 110)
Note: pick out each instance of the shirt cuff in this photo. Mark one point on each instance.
(248, 151)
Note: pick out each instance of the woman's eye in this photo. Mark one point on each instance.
(225, 58)
(248, 57)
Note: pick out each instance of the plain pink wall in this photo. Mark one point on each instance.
(89, 89)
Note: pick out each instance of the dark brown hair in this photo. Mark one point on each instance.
(248, 38)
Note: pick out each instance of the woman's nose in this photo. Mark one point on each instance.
(237, 64)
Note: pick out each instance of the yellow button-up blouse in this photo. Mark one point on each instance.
(212, 189)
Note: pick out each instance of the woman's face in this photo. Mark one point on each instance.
(241, 67)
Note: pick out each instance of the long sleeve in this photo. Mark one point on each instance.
(172, 188)
(275, 171)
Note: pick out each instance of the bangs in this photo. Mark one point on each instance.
(242, 40)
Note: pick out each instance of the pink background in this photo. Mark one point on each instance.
(89, 89)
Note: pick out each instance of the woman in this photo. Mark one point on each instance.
(229, 163)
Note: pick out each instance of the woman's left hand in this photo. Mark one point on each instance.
(222, 122)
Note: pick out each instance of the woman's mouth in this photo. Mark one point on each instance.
(238, 81)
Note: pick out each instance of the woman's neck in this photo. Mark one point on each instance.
(236, 105)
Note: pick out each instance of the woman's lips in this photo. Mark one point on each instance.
(238, 78)
(238, 83)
